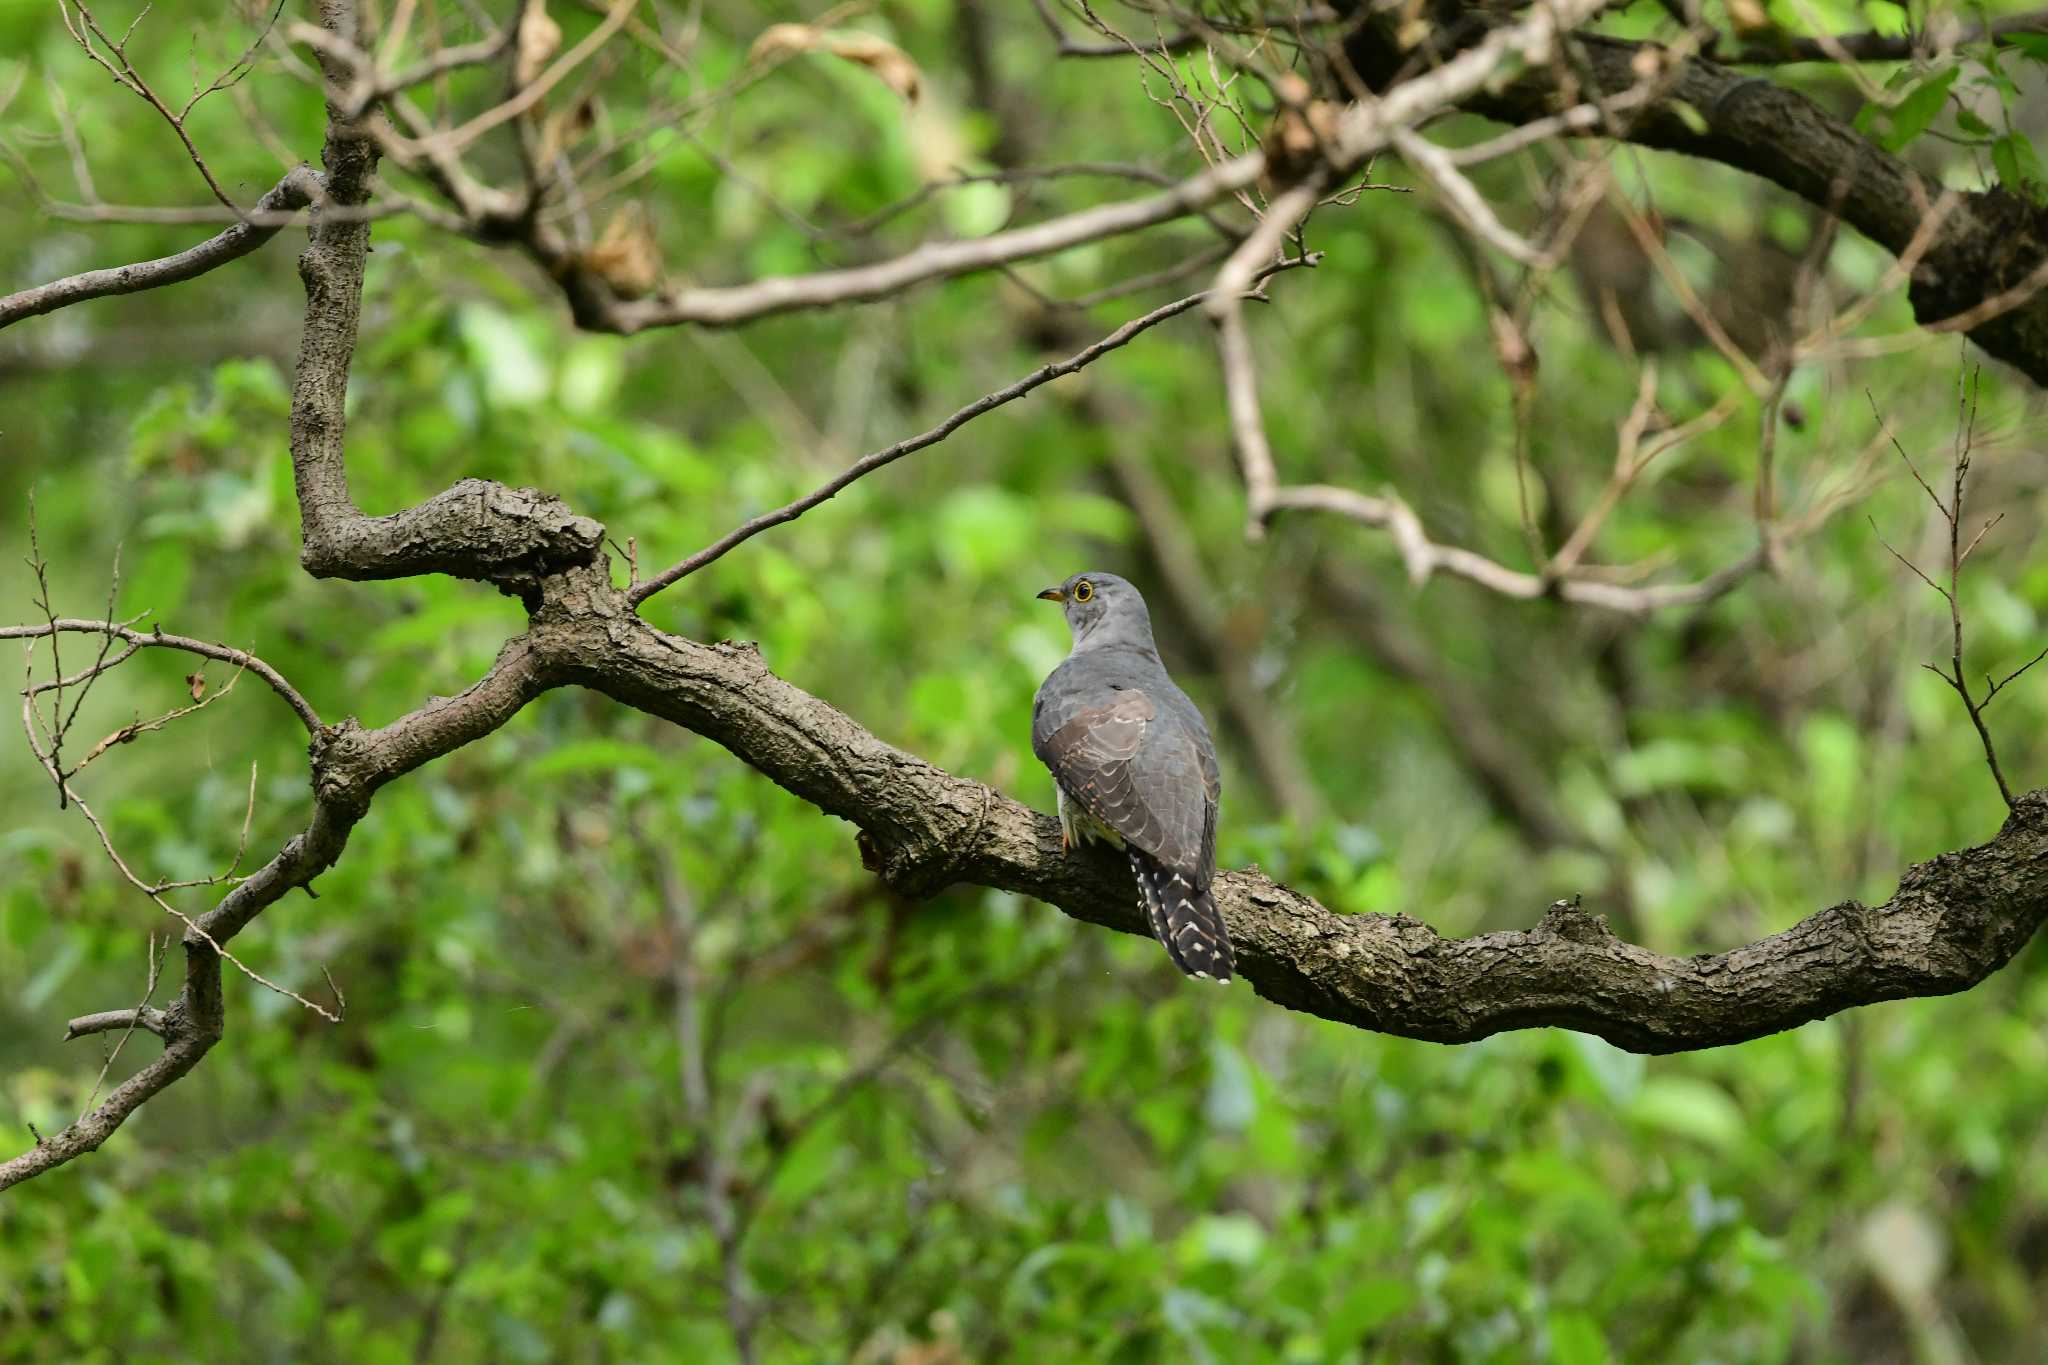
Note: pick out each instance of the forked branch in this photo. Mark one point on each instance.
(1959, 552)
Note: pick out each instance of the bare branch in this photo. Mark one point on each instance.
(138, 1018)
(295, 191)
(350, 765)
(868, 464)
(456, 139)
(1951, 513)
(85, 28)
(1992, 689)
(150, 1020)
(1465, 201)
(371, 85)
(724, 307)
(1425, 558)
(1364, 129)
(156, 639)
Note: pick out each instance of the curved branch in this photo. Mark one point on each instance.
(1953, 922)
(1988, 246)
(300, 187)
(477, 529)
(156, 639)
(1424, 558)
(181, 1053)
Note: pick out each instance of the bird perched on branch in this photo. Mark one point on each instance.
(1133, 764)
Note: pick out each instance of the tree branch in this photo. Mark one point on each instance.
(300, 187)
(1988, 247)
(1424, 558)
(477, 529)
(109, 1020)
(724, 307)
(868, 464)
(1953, 922)
(349, 765)
(156, 639)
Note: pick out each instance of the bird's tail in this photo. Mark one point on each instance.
(1184, 918)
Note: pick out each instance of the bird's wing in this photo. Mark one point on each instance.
(1137, 770)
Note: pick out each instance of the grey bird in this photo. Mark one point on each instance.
(1133, 764)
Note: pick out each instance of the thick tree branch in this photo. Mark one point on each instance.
(1953, 922)
(1988, 244)
(477, 529)
(300, 187)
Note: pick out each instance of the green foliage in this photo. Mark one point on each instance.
(973, 1129)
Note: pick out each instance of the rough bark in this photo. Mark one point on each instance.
(1987, 242)
(1954, 920)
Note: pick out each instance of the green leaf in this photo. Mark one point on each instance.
(1913, 114)
(2017, 164)
(594, 755)
(515, 373)
(2033, 45)
(1369, 1305)
(1689, 1108)
(1575, 1339)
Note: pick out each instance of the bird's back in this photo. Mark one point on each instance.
(1174, 764)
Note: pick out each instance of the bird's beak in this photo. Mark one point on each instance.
(1054, 594)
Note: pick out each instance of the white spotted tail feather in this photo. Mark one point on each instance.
(1184, 918)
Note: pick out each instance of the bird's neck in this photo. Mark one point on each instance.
(1141, 647)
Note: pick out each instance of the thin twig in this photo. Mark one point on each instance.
(868, 464)
(157, 639)
(135, 1021)
(1951, 513)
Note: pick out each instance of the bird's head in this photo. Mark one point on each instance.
(1094, 601)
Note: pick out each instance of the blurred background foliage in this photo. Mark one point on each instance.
(971, 1129)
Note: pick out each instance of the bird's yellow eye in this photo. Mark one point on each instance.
(1083, 590)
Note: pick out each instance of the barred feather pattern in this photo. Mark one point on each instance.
(1184, 918)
